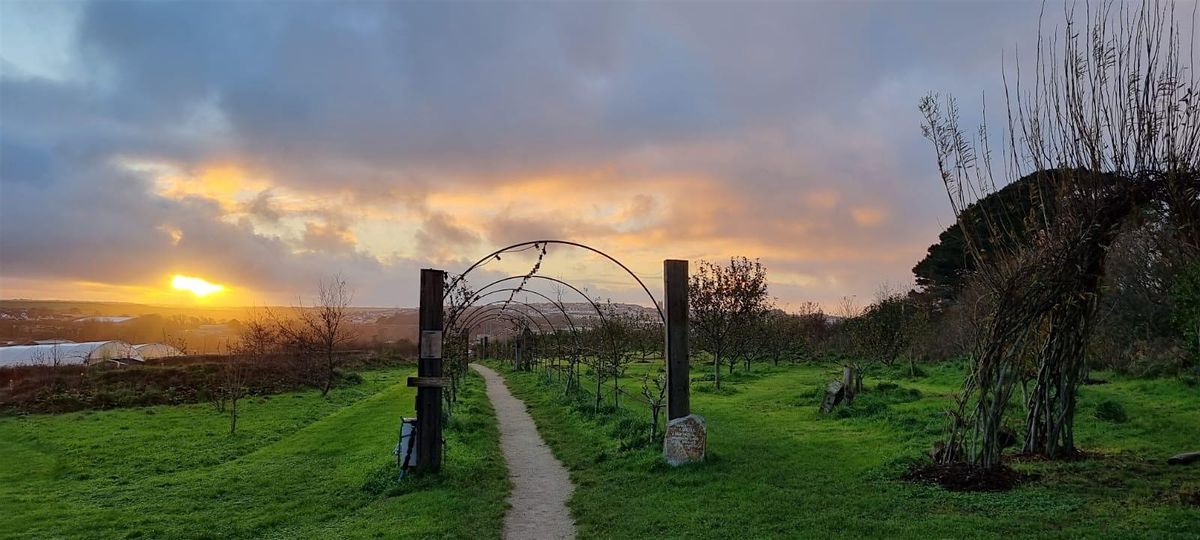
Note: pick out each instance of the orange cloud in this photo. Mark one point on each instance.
(867, 216)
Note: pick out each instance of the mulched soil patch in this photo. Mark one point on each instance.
(966, 477)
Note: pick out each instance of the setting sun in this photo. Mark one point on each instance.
(195, 285)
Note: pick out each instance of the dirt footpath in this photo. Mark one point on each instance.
(540, 483)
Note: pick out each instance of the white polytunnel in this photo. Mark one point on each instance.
(151, 351)
(57, 354)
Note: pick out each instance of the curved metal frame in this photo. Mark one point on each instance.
(469, 322)
(570, 322)
(493, 305)
(478, 297)
(493, 254)
(548, 278)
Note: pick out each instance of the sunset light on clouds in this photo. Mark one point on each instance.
(374, 139)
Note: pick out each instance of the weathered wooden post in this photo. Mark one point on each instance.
(429, 373)
(526, 352)
(518, 353)
(675, 284)
(686, 436)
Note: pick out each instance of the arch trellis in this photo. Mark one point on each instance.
(465, 313)
(542, 244)
(470, 319)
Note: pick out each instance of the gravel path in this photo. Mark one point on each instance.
(540, 483)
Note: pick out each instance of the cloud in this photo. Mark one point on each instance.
(867, 216)
(262, 206)
(266, 144)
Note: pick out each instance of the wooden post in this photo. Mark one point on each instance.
(517, 353)
(429, 398)
(526, 353)
(675, 284)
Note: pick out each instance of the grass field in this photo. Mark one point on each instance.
(778, 469)
(300, 466)
(303, 466)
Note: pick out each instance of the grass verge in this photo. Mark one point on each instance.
(777, 468)
(300, 466)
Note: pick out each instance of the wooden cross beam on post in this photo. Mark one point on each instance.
(429, 373)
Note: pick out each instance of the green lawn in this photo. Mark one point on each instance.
(776, 468)
(300, 466)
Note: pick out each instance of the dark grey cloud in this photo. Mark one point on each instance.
(386, 103)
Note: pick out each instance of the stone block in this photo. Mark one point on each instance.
(686, 440)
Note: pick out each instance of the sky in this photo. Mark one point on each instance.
(265, 145)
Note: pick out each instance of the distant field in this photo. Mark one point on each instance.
(778, 469)
(129, 309)
(300, 467)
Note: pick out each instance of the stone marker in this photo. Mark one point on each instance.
(685, 441)
(834, 393)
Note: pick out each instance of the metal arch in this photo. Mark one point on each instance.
(539, 312)
(555, 280)
(477, 297)
(599, 312)
(502, 316)
(570, 322)
(480, 297)
(496, 308)
(475, 317)
(489, 256)
(536, 310)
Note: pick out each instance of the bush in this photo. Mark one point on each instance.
(632, 433)
(1111, 411)
(347, 377)
(1185, 295)
(877, 402)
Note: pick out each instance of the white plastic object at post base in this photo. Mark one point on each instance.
(406, 449)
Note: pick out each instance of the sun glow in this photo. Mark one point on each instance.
(195, 285)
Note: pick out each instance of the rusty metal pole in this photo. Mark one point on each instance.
(429, 398)
(675, 286)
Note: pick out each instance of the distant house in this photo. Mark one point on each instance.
(58, 354)
(152, 351)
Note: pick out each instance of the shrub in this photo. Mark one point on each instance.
(1111, 411)
(632, 433)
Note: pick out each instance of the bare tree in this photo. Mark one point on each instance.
(1110, 125)
(617, 345)
(654, 389)
(232, 386)
(725, 302)
(318, 332)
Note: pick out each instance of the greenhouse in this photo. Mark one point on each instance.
(151, 351)
(57, 354)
